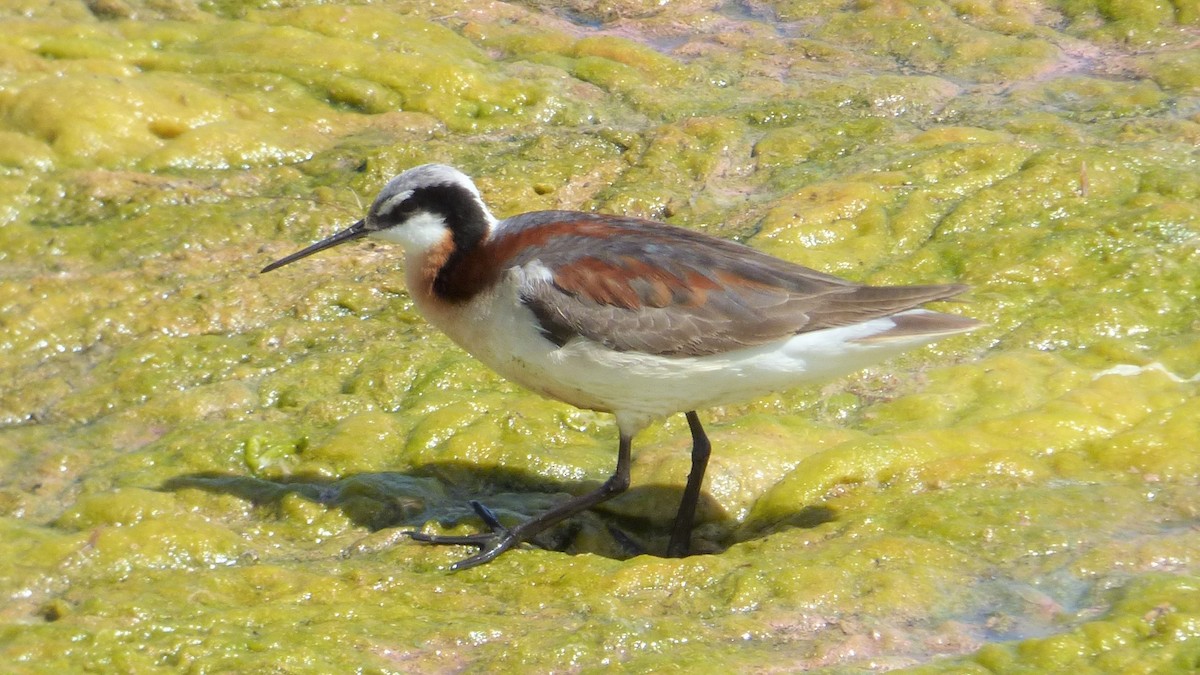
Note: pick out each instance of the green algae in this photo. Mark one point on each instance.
(1152, 629)
(206, 469)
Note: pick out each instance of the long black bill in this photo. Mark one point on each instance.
(355, 231)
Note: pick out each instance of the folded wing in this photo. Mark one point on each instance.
(633, 285)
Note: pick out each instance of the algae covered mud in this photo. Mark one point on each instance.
(206, 469)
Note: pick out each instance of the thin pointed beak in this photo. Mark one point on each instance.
(355, 231)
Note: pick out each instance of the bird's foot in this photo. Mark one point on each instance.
(491, 544)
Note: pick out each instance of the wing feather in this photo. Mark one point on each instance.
(634, 285)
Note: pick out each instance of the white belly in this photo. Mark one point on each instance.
(639, 388)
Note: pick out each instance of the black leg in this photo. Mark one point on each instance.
(681, 531)
(501, 538)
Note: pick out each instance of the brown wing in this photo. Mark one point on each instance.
(634, 285)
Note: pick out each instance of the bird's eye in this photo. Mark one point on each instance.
(395, 213)
(393, 209)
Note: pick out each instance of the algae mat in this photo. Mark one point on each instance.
(206, 470)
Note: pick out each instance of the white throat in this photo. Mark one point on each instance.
(420, 233)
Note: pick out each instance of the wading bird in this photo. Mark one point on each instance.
(627, 316)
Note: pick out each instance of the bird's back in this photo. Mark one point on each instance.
(637, 285)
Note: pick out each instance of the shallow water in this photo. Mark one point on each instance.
(207, 469)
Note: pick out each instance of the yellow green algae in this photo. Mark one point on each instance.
(207, 470)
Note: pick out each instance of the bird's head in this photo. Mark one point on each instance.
(418, 209)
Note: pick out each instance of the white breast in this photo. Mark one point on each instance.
(496, 328)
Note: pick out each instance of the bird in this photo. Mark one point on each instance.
(627, 316)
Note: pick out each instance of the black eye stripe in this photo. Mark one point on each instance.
(453, 202)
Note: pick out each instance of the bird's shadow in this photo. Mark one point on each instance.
(636, 522)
